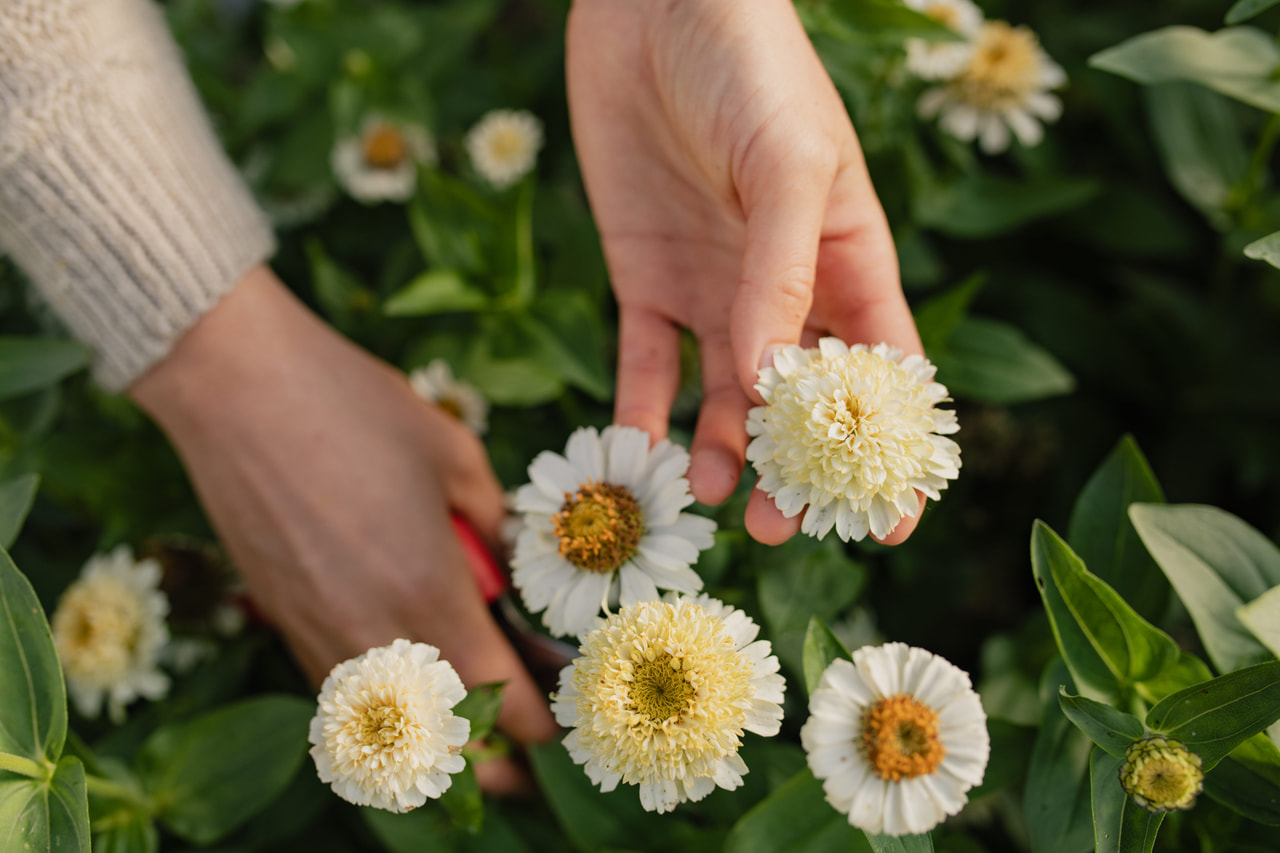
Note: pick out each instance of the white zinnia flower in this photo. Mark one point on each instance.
(898, 737)
(1003, 86)
(604, 517)
(381, 162)
(504, 145)
(851, 433)
(383, 733)
(110, 633)
(662, 694)
(435, 384)
(933, 60)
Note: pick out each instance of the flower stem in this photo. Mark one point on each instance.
(25, 766)
(99, 786)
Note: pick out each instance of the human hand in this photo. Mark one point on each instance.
(331, 485)
(732, 200)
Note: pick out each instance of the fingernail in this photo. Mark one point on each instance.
(766, 357)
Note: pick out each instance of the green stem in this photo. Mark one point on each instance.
(1245, 189)
(25, 766)
(98, 786)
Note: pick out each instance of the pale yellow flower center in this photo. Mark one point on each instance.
(1005, 68)
(380, 726)
(944, 13)
(599, 526)
(451, 407)
(900, 738)
(1162, 774)
(507, 144)
(97, 630)
(659, 689)
(384, 147)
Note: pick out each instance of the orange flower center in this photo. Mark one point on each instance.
(599, 526)
(384, 147)
(900, 738)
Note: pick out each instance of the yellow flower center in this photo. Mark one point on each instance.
(1162, 774)
(943, 13)
(506, 144)
(451, 407)
(659, 689)
(900, 738)
(1005, 67)
(381, 725)
(97, 630)
(384, 147)
(599, 526)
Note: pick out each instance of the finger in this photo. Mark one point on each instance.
(858, 293)
(765, 523)
(720, 437)
(905, 527)
(471, 487)
(502, 777)
(648, 370)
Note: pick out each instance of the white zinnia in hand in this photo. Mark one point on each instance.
(504, 145)
(851, 433)
(383, 734)
(381, 162)
(938, 60)
(109, 631)
(898, 737)
(435, 384)
(662, 694)
(607, 511)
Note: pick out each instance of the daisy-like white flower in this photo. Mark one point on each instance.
(381, 162)
(1161, 774)
(435, 384)
(851, 433)
(110, 633)
(934, 60)
(504, 144)
(898, 737)
(662, 694)
(605, 518)
(1004, 86)
(383, 734)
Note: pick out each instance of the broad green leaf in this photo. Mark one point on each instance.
(33, 710)
(443, 242)
(1110, 729)
(939, 317)
(575, 321)
(511, 381)
(480, 708)
(28, 364)
(436, 291)
(1184, 672)
(808, 579)
(874, 20)
(1055, 800)
(1248, 781)
(1216, 563)
(16, 497)
(992, 362)
(1102, 536)
(135, 833)
(821, 647)
(211, 774)
(901, 843)
(1238, 61)
(428, 828)
(463, 801)
(1120, 824)
(1267, 248)
(1243, 10)
(795, 819)
(49, 816)
(552, 351)
(980, 206)
(1215, 717)
(1262, 617)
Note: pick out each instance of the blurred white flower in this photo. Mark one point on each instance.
(109, 630)
(381, 162)
(1003, 86)
(938, 60)
(851, 433)
(662, 694)
(898, 737)
(504, 144)
(383, 734)
(435, 384)
(606, 513)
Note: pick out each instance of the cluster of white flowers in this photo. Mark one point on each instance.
(993, 84)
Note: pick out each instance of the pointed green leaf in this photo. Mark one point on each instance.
(1120, 824)
(480, 708)
(463, 801)
(901, 843)
(1055, 800)
(795, 819)
(1111, 729)
(409, 832)
(821, 647)
(435, 291)
(1262, 617)
(28, 364)
(1215, 717)
(1216, 563)
(1186, 671)
(135, 833)
(50, 816)
(939, 317)
(983, 205)
(16, 497)
(1265, 248)
(1248, 781)
(33, 711)
(993, 362)
(1243, 10)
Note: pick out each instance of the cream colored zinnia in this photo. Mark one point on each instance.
(662, 694)
(380, 163)
(1003, 86)
(848, 435)
(110, 634)
(939, 60)
(897, 736)
(383, 734)
(435, 384)
(504, 144)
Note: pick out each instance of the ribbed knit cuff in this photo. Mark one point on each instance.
(115, 196)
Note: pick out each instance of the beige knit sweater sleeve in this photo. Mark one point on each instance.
(115, 197)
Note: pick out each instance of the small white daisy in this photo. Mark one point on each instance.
(504, 145)
(662, 694)
(852, 434)
(381, 162)
(898, 737)
(110, 633)
(605, 518)
(1003, 86)
(939, 60)
(435, 384)
(383, 734)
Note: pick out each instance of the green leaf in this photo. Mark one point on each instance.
(480, 708)
(511, 381)
(1238, 61)
(555, 352)
(33, 711)
(813, 579)
(1216, 563)
(1248, 781)
(821, 647)
(1055, 800)
(979, 206)
(211, 774)
(463, 802)
(1243, 10)
(1262, 617)
(1120, 824)
(436, 291)
(1266, 248)
(992, 362)
(445, 242)
(1184, 672)
(1102, 535)
(132, 833)
(1107, 727)
(339, 293)
(427, 828)
(939, 317)
(30, 363)
(1215, 717)
(45, 815)
(795, 819)
(882, 21)
(901, 843)
(16, 497)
